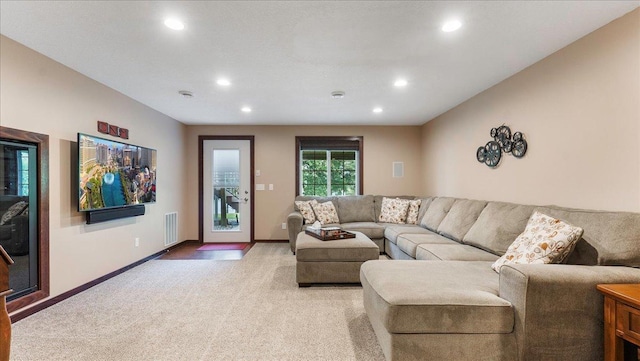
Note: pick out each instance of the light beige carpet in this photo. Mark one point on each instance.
(250, 309)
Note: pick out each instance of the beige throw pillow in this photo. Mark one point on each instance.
(306, 210)
(325, 212)
(544, 240)
(414, 210)
(394, 210)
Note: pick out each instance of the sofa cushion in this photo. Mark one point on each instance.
(370, 229)
(435, 297)
(544, 240)
(462, 215)
(424, 205)
(452, 252)
(409, 242)
(306, 210)
(436, 212)
(413, 211)
(392, 231)
(394, 210)
(377, 201)
(356, 209)
(609, 238)
(498, 226)
(325, 213)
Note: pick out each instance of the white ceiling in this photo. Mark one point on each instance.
(284, 58)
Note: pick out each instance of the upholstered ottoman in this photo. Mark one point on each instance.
(335, 261)
(439, 310)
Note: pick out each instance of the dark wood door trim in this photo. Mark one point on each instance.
(201, 139)
(42, 143)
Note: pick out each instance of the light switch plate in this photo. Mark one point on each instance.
(270, 187)
(259, 187)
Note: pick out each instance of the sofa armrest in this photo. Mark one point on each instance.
(294, 225)
(558, 311)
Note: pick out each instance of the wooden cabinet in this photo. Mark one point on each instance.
(621, 321)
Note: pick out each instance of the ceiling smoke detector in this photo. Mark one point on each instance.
(338, 94)
(186, 93)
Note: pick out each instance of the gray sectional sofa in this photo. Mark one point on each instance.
(356, 213)
(441, 300)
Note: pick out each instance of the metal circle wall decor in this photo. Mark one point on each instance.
(503, 143)
(481, 154)
(494, 153)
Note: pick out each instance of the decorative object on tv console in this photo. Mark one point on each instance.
(503, 142)
(113, 174)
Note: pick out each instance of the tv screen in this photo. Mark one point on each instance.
(114, 174)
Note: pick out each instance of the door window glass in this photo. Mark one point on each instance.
(226, 189)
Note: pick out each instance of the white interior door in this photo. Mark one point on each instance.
(226, 191)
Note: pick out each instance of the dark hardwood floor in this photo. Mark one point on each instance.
(189, 250)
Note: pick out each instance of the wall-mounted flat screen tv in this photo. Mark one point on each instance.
(113, 174)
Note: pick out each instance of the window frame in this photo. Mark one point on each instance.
(327, 159)
(332, 143)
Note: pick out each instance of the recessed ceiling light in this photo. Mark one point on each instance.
(400, 83)
(223, 82)
(338, 94)
(450, 26)
(377, 110)
(186, 93)
(246, 109)
(173, 23)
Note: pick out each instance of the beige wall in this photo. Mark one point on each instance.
(579, 109)
(275, 158)
(40, 95)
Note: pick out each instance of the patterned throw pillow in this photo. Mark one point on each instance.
(13, 211)
(544, 240)
(306, 209)
(394, 210)
(414, 210)
(325, 212)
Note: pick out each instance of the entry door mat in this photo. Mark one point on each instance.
(223, 247)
